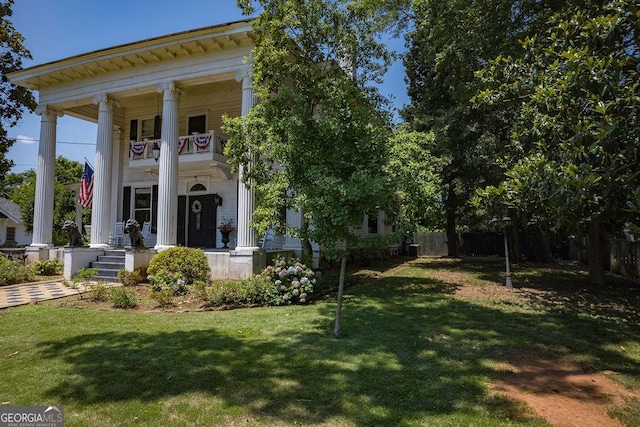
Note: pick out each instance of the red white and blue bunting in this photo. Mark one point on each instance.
(138, 148)
(182, 142)
(202, 141)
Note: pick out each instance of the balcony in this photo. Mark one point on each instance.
(197, 149)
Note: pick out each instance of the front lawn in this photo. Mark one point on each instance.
(422, 342)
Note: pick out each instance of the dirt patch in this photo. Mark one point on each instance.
(564, 394)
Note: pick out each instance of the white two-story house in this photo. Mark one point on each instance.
(158, 105)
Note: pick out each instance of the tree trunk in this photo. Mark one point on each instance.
(450, 204)
(343, 268)
(596, 256)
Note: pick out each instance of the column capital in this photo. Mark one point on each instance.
(104, 100)
(48, 111)
(171, 86)
(244, 75)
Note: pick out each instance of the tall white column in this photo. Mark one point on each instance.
(168, 168)
(45, 178)
(246, 197)
(101, 205)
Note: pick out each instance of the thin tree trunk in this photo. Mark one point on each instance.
(596, 258)
(343, 268)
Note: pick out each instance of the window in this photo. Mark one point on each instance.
(11, 235)
(198, 187)
(197, 124)
(372, 224)
(142, 205)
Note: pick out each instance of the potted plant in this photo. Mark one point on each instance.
(226, 227)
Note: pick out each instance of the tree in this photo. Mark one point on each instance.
(316, 141)
(450, 42)
(415, 173)
(575, 140)
(66, 172)
(13, 99)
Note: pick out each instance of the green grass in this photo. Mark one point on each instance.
(416, 351)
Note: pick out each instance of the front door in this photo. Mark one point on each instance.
(201, 212)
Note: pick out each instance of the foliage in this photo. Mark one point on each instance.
(571, 165)
(574, 133)
(131, 278)
(122, 297)
(49, 267)
(292, 279)
(163, 297)
(66, 172)
(452, 40)
(14, 100)
(318, 138)
(99, 292)
(84, 275)
(254, 290)
(415, 172)
(317, 142)
(163, 280)
(188, 264)
(11, 272)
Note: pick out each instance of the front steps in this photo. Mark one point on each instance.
(109, 265)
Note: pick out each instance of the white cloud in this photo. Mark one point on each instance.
(26, 139)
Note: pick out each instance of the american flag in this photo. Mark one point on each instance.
(86, 186)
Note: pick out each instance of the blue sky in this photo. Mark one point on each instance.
(58, 29)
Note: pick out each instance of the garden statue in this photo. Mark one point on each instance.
(73, 234)
(132, 227)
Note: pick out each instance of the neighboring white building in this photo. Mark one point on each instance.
(168, 93)
(12, 230)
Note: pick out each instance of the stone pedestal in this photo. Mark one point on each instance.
(35, 254)
(77, 258)
(245, 263)
(137, 258)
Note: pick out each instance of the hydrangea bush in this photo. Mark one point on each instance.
(293, 280)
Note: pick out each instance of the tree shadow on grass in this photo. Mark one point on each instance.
(411, 352)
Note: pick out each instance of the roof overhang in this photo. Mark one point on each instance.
(129, 56)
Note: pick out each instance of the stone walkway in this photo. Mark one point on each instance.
(25, 293)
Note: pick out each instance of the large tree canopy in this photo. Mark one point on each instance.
(13, 99)
(316, 142)
(575, 141)
(450, 42)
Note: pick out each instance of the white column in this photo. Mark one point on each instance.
(101, 205)
(115, 176)
(168, 168)
(247, 240)
(45, 178)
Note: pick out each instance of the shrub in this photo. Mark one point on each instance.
(168, 281)
(130, 278)
(255, 290)
(100, 292)
(11, 272)
(49, 267)
(122, 297)
(292, 280)
(84, 275)
(190, 263)
(163, 297)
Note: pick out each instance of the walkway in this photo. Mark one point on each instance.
(25, 293)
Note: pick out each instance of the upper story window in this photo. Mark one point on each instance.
(197, 124)
(148, 128)
(372, 224)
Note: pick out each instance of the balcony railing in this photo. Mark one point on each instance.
(198, 143)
